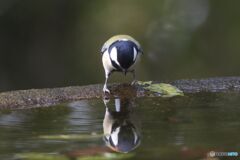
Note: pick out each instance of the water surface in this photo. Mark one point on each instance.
(186, 127)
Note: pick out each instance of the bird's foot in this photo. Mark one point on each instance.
(106, 90)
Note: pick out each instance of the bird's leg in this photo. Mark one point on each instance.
(105, 89)
(106, 101)
(134, 77)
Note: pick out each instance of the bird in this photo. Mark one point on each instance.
(120, 53)
(120, 126)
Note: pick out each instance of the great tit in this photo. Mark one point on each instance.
(121, 132)
(120, 53)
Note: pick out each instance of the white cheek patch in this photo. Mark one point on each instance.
(134, 53)
(113, 55)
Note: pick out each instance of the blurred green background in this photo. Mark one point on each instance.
(53, 43)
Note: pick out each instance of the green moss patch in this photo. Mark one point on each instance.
(161, 89)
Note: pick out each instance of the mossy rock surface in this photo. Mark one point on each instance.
(160, 89)
(33, 98)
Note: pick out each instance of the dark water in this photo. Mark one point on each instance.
(153, 128)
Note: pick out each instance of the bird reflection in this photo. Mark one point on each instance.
(120, 125)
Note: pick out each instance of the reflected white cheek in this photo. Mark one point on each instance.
(114, 136)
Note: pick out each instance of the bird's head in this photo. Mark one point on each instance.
(123, 51)
(123, 137)
(116, 38)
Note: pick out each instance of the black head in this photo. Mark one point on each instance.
(125, 53)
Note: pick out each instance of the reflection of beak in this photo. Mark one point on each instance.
(125, 72)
